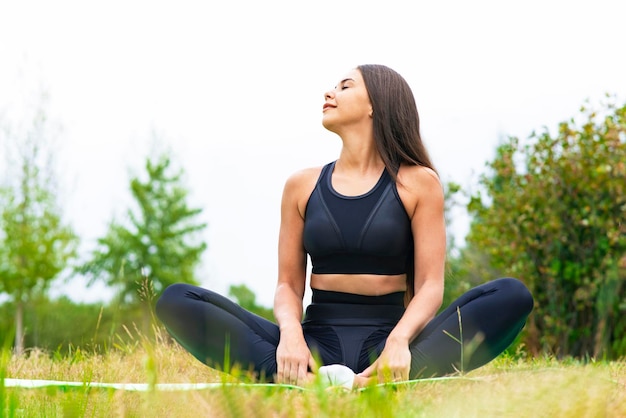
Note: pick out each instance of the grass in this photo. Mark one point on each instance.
(507, 387)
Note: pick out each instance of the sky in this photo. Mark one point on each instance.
(233, 90)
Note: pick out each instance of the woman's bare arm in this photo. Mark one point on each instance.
(293, 356)
(423, 195)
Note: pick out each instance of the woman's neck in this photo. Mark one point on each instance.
(359, 153)
(359, 161)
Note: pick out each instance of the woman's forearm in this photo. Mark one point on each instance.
(287, 308)
(422, 308)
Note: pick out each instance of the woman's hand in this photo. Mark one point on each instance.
(393, 364)
(293, 360)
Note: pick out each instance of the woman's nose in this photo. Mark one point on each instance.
(329, 94)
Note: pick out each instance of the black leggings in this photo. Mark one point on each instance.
(353, 332)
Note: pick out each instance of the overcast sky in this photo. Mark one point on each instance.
(235, 89)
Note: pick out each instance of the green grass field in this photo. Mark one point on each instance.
(505, 388)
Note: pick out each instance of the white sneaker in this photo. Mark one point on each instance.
(336, 375)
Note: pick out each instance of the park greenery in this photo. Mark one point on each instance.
(35, 244)
(549, 209)
(552, 211)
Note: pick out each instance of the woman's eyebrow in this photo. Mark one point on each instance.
(344, 80)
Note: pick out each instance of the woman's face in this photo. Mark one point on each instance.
(347, 104)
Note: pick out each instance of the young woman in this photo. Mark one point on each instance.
(372, 223)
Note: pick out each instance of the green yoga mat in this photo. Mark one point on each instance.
(144, 387)
(137, 387)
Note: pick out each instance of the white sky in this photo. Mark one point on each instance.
(235, 89)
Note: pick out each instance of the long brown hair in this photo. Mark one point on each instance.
(396, 120)
(396, 129)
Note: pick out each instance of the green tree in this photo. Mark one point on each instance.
(455, 283)
(246, 298)
(552, 213)
(35, 244)
(157, 246)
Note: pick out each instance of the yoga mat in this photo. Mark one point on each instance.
(137, 387)
(144, 387)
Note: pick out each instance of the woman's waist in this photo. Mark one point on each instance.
(362, 284)
(337, 308)
(320, 296)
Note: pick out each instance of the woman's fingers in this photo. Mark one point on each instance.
(371, 370)
(302, 371)
(313, 366)
(399, 377)
(292, 376)
(279, 371)
(292, 372)
(286, 372)
(385, 372)
(292, 362)
(392, 374)
(283, 372)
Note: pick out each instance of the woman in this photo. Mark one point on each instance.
(372, 223)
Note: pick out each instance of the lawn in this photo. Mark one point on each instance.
(507, 387)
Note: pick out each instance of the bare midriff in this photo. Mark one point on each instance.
(360, 284)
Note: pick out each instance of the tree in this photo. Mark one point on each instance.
(246, 298)
(35, 245)
(157, 246)
(552, 212)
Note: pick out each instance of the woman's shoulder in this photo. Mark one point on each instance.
(304, 176)
(299, 186)
(419, 186)
(417, 176)
(301, 183)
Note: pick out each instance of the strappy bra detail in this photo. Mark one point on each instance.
(366, 234)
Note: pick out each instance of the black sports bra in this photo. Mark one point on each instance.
(366, 234)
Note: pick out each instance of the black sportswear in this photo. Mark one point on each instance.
(369, 234)
(215, 329)
(366, 234)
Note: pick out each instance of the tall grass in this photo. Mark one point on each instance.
(508, 387)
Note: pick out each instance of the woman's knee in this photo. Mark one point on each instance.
(170, 297)
(516, 294)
